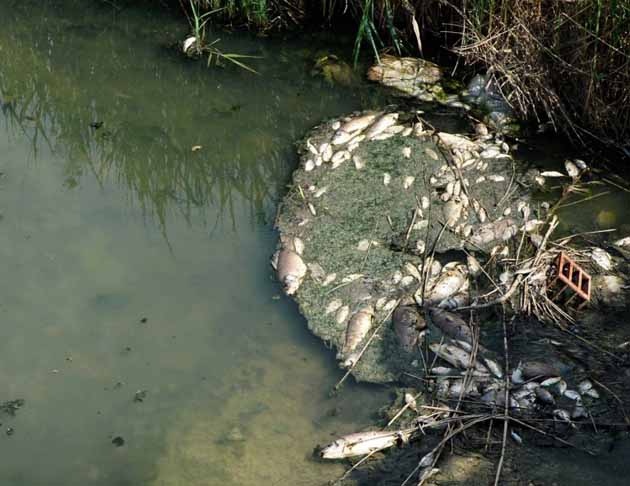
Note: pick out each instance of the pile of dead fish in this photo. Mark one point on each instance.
(463, 184)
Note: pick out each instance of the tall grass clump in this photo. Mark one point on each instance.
(566, 62)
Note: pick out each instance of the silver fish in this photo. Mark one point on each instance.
(382, 124)
(562, 387)
(341, 137)
(452, 212)
(451, 324)
(551, 381)
(447, 285)
(571, 169)
(339, 157)
(358, 123)
(443, 371)
(544, 396)
(592, 392)
(584, 386)
(454, 355)
(602, 258)
(363, 443)
(342, 314)
(358, 328)
(572, 395)
(494, 367)
(291, 270)
(563, 416)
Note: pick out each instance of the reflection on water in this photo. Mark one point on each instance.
(118, 101)
(141, 360)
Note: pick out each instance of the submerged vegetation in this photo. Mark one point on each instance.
(566, 63)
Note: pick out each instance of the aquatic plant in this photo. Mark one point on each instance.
(562, 62)
(198, 45)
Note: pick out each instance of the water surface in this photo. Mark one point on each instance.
(140, 320)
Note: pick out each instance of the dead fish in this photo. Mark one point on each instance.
(474, 267)
(456, 141)
(298, 245)
(339, 157)
(413, 271)
(351, 277)
(551, 381)
(592, 392)
(359, 163)
(602, 258)
(358, 327)
(452, 354)
(320, 192)
(342, 314)
(481, 129)
(572, 395)
(407, 280)
(451, 325)
(311, 147)
(571, 169)
(584, 386)
(390, 305)
(406, 151)
(538, 369)
(490, 153)
(443, 371)
(291, 270)
(381, 125)
(544, 396)
(408, 181)
(623, 242)
(363, 245)
(447, 285)
(336, 125)
(563, 416)
(341, 137)
(363, 443)
(562, 387)
(452, 212)
(517, 438)
(431, 153)
(358, 123)
(407, 325)
(330, 278)
(333, 305)
(327, 152)
(387, 179)
(410, 401)
(552, 173)
(309, 165)
(494, 367)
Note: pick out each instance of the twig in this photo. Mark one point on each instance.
(506, 412)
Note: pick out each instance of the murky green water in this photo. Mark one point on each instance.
(140, 320)
(136, 300)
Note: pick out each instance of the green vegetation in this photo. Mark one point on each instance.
(565, 62)
(199, 44)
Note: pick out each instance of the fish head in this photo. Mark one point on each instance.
(290, 284)
(335, 450)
